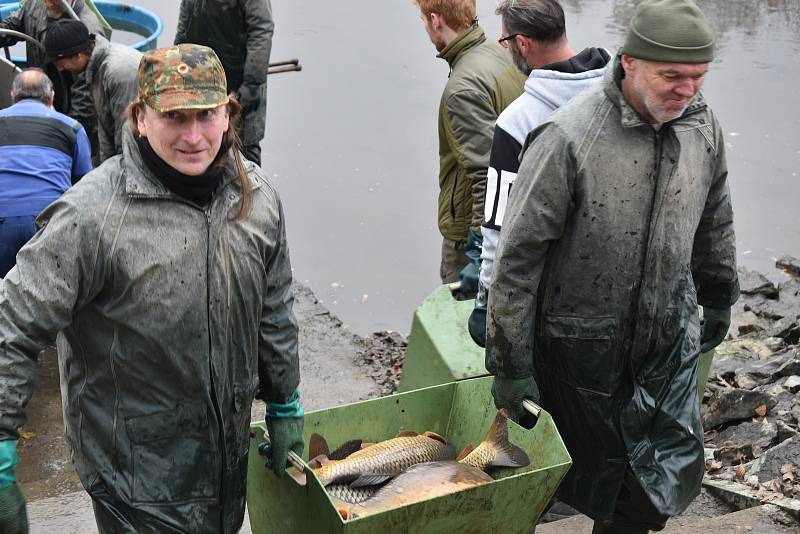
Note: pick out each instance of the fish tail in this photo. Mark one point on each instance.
(496, 450)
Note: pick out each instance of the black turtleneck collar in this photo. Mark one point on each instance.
(197, 189)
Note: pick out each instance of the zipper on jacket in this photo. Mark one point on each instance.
(658, 141)
(453, 198)
(214, 400)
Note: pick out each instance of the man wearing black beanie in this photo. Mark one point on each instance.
(110, 73)
(618, 225)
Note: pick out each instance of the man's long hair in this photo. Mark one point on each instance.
(230, 144)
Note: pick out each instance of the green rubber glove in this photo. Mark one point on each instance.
(476, 324)
(13, 515)
(508, 393)
(285, 428)
(714, 327)
(471, 273)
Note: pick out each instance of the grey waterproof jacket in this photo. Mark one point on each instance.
(111, 75)
(167, 315)
(613, 233)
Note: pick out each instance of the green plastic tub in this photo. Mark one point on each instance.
(440, 349)
(461, 411)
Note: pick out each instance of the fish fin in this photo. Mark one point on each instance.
(347, 448)
(435, 436)
(510, 456)
(345, 513)
(369, 479)
(502, 453)
(317, 446)
(465, 452)
(406, 434)
(318, 461)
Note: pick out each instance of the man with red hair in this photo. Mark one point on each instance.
(483, 81)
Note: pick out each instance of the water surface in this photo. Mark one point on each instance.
(351, 140)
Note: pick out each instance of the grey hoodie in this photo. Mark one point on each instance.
(546, 90)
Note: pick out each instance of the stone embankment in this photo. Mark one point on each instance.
(751, 406)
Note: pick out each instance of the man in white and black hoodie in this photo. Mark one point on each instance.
(535, 33)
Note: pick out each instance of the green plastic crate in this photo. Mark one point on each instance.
(461, 411)
(440, 349)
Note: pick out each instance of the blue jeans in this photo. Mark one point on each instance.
(14, 233)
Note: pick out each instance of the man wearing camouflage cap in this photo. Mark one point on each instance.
(165, 276)
(618, 225)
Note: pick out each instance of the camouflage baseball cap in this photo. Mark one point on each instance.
(186, 76)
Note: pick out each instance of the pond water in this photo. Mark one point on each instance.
(351, 140)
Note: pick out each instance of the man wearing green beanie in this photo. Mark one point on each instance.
(618, 225)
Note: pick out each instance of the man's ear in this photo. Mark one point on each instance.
(436, 21)
(140, 124)
(628, 63)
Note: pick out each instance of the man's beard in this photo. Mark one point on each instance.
(54, 13)
(519, 61)
(660, 114)
(654, 107)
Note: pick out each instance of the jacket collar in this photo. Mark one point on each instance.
(472, 37)
(140, 181)
(629, 117)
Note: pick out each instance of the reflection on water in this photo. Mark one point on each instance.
(351, 140)
(732, 18)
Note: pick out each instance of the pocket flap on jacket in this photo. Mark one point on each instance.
(183, 419)
(562, 326)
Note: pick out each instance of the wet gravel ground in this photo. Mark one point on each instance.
(382, 355)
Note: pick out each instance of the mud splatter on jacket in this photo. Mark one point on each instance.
(613, 234)
(167, 315)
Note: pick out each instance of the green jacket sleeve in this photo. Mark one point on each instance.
(472, 118)
(53, 277)
(278, 363)
(260, 27)
(538, 207)
(714, 250)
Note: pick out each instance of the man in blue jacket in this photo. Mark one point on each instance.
(42, 153)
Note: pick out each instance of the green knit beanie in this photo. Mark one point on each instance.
(672, 31)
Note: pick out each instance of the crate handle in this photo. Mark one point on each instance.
(297, 463)
(531, 407)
